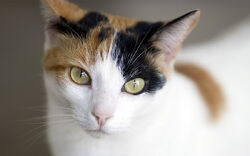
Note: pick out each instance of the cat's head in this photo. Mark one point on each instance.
(108, 69)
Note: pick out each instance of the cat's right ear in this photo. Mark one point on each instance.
(170, 37)
(53, 11)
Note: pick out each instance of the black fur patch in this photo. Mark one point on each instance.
(180, 18)
(105, 33)
(144, 29)
(81, 28)
(131, 53)
(91, 20)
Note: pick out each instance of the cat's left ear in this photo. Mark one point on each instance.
(170, 37)
(54, 11)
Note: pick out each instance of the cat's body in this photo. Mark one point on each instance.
(227, 58)
(174, 117)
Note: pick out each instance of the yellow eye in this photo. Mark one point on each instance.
(134, 86)
(79, 76)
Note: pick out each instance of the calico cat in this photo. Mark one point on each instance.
(112, 88)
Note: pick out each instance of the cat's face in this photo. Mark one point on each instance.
(108, 69)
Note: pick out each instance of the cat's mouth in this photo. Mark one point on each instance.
(97, 133)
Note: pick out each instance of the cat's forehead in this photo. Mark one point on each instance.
(97, 34)
(94, 28)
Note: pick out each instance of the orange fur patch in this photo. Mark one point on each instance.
(72, 52)
(65, 9)
(73, 13)
(120, 23)
(208, 87)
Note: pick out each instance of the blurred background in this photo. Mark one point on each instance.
(21, 51)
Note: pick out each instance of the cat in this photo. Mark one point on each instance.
(115, 87)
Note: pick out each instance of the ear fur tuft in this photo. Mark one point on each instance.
(170, 38)
(53, 11)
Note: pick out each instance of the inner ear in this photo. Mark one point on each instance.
(57, 13)
(66, 19)
(170, 37)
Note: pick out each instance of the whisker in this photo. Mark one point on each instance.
(146, 50)
(32, 140)
(45, 117)
(144, 37)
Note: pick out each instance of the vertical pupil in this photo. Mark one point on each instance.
(81, 73)
(134, 83)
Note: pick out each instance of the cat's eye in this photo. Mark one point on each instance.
(134, 86)
(79, 76)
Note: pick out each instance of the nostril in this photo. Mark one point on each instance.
(96, 116)
(101, 119)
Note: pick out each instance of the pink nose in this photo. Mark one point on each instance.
(101, 118)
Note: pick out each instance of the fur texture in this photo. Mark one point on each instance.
(168, 117)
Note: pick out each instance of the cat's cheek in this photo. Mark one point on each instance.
(127, 109)
(134, 103)
(79, 98)
(142, 106)
(77, 94)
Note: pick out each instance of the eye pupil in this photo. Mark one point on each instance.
(82, 73)
(134, 83)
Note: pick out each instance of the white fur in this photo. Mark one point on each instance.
(173, 122)
(228, 60)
